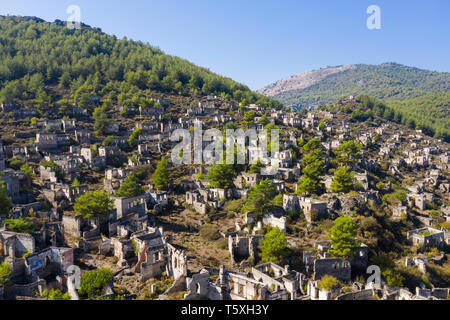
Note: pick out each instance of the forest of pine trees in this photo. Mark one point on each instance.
(45, 65)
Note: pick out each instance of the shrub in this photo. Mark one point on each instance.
(327, 282)
(93, 282)
(55, 294)
(209, 232)
(20, 225)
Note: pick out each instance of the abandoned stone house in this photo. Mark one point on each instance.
(78, 227)
(242, 248)
(427, 237)
(199, 287)
(311, 120)
(194, 111)
(57, 125)
(400, 211)
(139, 160)
(282, 159)
(83, 136)
(156, 255)
(335, 267)
(312, 209)
(15, 245)
(247, 180)
(48, 263)
(69, 164)
(202, 199)
(51, 142)
(223, 118)
(362, 179)
(266, 281)
(276, 217)
(112, 127)
(12, 182)
(114, 178)
(125, 206)
(155, 113)
(292, 120)
(157, 200)
(93, 160)
(420, 200)
(62, 195)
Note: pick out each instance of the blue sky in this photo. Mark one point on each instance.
(257, 42)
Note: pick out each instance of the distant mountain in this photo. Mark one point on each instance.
(386, 81)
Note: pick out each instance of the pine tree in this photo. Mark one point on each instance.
(161, 175)
(130, 187)
(343, 180)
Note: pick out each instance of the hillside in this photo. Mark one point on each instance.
(385, 81)
(429, 111)
(43, 64)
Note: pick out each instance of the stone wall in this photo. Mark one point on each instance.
(337, 268)
(359, 295)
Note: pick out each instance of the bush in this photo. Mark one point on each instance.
(209, 232)
(20, 225)
(5, 271)
(93, 204)
(176, 295)
(327, 282)
(55, 294)
(93, 282)
(222, 243)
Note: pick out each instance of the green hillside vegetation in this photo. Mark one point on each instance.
(431, 112)
(386, 81)
(45, 65)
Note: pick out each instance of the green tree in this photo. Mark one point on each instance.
(76, 183)
(278, 200)
(5, 271)
(260, 198)
(92, 283)
(20, 225)
(393, 279)
(161, 175)
(5, 199)
(27, 170)
(101, 120)
(132, 140)
(248, 119)
(343, 238)
(16, 163)
(349, 152)
(327, 282)
(313, 168)
(109, 140)
(342, 181)
(264, 121)
(130, 187)
(55, 294)
(200, 176)
(93, 204)
(221, 176)
(54, 167)
(256, 167)
(273, 246)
